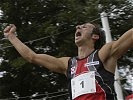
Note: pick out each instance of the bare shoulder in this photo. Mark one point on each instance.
(105, 51)
(111, 52)
(116, 49)
(107, 58)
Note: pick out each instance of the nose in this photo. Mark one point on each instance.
(78, 27)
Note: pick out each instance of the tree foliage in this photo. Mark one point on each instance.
(51, 24)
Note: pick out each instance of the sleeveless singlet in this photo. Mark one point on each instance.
(104, 80)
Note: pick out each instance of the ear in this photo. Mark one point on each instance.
(95, 37)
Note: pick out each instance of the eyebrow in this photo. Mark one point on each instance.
(89, 24)
(86, 24)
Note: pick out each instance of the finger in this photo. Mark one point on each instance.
(12, 25)
(7, 29)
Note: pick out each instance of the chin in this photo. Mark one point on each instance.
(78, 43)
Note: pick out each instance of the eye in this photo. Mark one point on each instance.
(84, 26)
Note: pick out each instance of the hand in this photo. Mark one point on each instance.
(10, 30)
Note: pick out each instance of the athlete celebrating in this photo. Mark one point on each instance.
(91, 73)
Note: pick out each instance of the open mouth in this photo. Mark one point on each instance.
(78, 34)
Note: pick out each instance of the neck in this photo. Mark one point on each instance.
(84, 51)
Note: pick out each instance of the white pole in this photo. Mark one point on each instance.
(106, 28)
(117, 84)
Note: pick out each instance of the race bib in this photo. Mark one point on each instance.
(83, 84)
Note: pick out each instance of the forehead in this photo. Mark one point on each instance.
(88, 24)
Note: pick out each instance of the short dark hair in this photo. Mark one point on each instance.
(99, 31)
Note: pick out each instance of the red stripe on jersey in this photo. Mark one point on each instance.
(100, 94)
(81, 68)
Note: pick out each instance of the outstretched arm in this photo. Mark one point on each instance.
(111, 52)
(50, 62)
(123, 44)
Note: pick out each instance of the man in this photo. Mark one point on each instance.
(91, 73)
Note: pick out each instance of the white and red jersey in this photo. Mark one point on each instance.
(104, 80)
